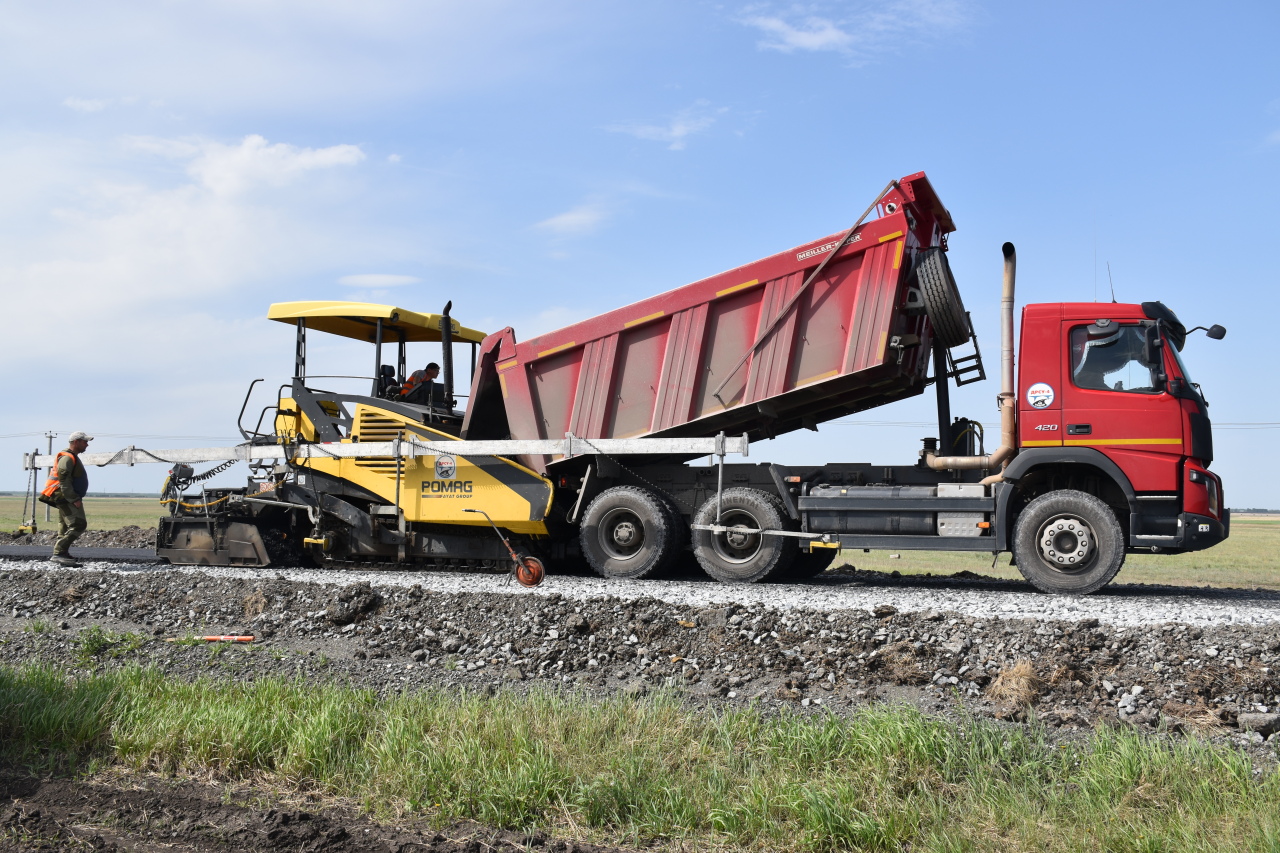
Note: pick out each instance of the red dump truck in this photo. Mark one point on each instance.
(1104, 448)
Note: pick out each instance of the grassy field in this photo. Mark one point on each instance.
(652, 771)
(1249, 558)
(103, 513)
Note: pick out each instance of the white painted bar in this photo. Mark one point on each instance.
(409, 448)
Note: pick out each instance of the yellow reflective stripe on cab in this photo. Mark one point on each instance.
(1107, 441)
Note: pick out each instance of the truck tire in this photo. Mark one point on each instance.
(810, 564)
(942, 301)
(749, 557)
(1068, 542)
(626, 534)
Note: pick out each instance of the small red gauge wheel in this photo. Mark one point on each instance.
(529, 571)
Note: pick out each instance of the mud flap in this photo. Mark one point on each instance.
(200, 542)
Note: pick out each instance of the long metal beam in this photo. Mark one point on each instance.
(409, 447)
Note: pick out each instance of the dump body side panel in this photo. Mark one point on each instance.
(750, 350)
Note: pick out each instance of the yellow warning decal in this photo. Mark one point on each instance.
(738, 287)
(820, 376)
(897, 254)
(637, 321)
(894, 236)
(508, 364)
(554, 350)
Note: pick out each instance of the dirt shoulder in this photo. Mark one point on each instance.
(112, 812)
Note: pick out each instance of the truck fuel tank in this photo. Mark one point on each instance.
(886, 510)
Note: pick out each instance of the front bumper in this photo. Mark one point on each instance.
(1198, 532)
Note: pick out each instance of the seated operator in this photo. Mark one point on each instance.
(421, 387)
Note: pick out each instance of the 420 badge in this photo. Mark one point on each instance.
(1040, 395)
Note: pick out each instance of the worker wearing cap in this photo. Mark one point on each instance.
(421, 387)
(68, 484)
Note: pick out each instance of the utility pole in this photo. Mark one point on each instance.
(51, 436)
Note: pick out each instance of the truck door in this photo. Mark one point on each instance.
(1113, 401)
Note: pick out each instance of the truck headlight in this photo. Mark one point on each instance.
(1212, 485)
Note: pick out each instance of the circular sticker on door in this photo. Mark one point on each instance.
(1040, 395)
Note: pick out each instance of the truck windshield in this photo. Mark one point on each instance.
(1177, 356)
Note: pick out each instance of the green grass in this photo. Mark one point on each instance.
(95, 642)
(642, 771)
(102, 513)
(1246, 559)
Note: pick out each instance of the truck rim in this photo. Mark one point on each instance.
(1067, 543)
(621, 534)
(736, 546)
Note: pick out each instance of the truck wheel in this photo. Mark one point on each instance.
(733, 557)
(810, 564)
(626, 533)
(941, 298)
(1068, 542)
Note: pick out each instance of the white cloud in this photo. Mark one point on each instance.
(811, 34)
(229, 169)
(1274, 138)
(583, 219)
(858, 30)
(142, 265)
(678, 128)
(378, 280)
(393, 158)
(87, 105)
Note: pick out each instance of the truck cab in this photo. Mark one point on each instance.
(1106, 404)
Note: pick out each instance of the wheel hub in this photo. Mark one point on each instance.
(737, 545)
(624, 534)
(1066, 542)
(737, 538)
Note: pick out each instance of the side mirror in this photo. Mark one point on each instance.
(1216, 332)
(1152, 345)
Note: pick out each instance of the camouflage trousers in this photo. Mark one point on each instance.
(71, 523)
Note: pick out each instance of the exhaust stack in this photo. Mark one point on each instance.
(446, 353)
(1008, 439)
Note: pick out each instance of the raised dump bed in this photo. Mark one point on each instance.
(762, 349)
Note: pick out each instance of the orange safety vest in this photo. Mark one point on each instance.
(51, 487)
(418, 376)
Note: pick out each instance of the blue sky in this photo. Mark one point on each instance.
(170, 169)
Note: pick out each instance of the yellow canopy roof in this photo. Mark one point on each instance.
(359, 320)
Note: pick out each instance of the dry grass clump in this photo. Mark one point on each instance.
(254, 603)
(1018, 685)
(71, 595)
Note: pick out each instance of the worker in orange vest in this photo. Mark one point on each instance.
(421, 387)
(68, 484)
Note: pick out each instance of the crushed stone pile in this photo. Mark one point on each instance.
(1074, 674)
(131, 536)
